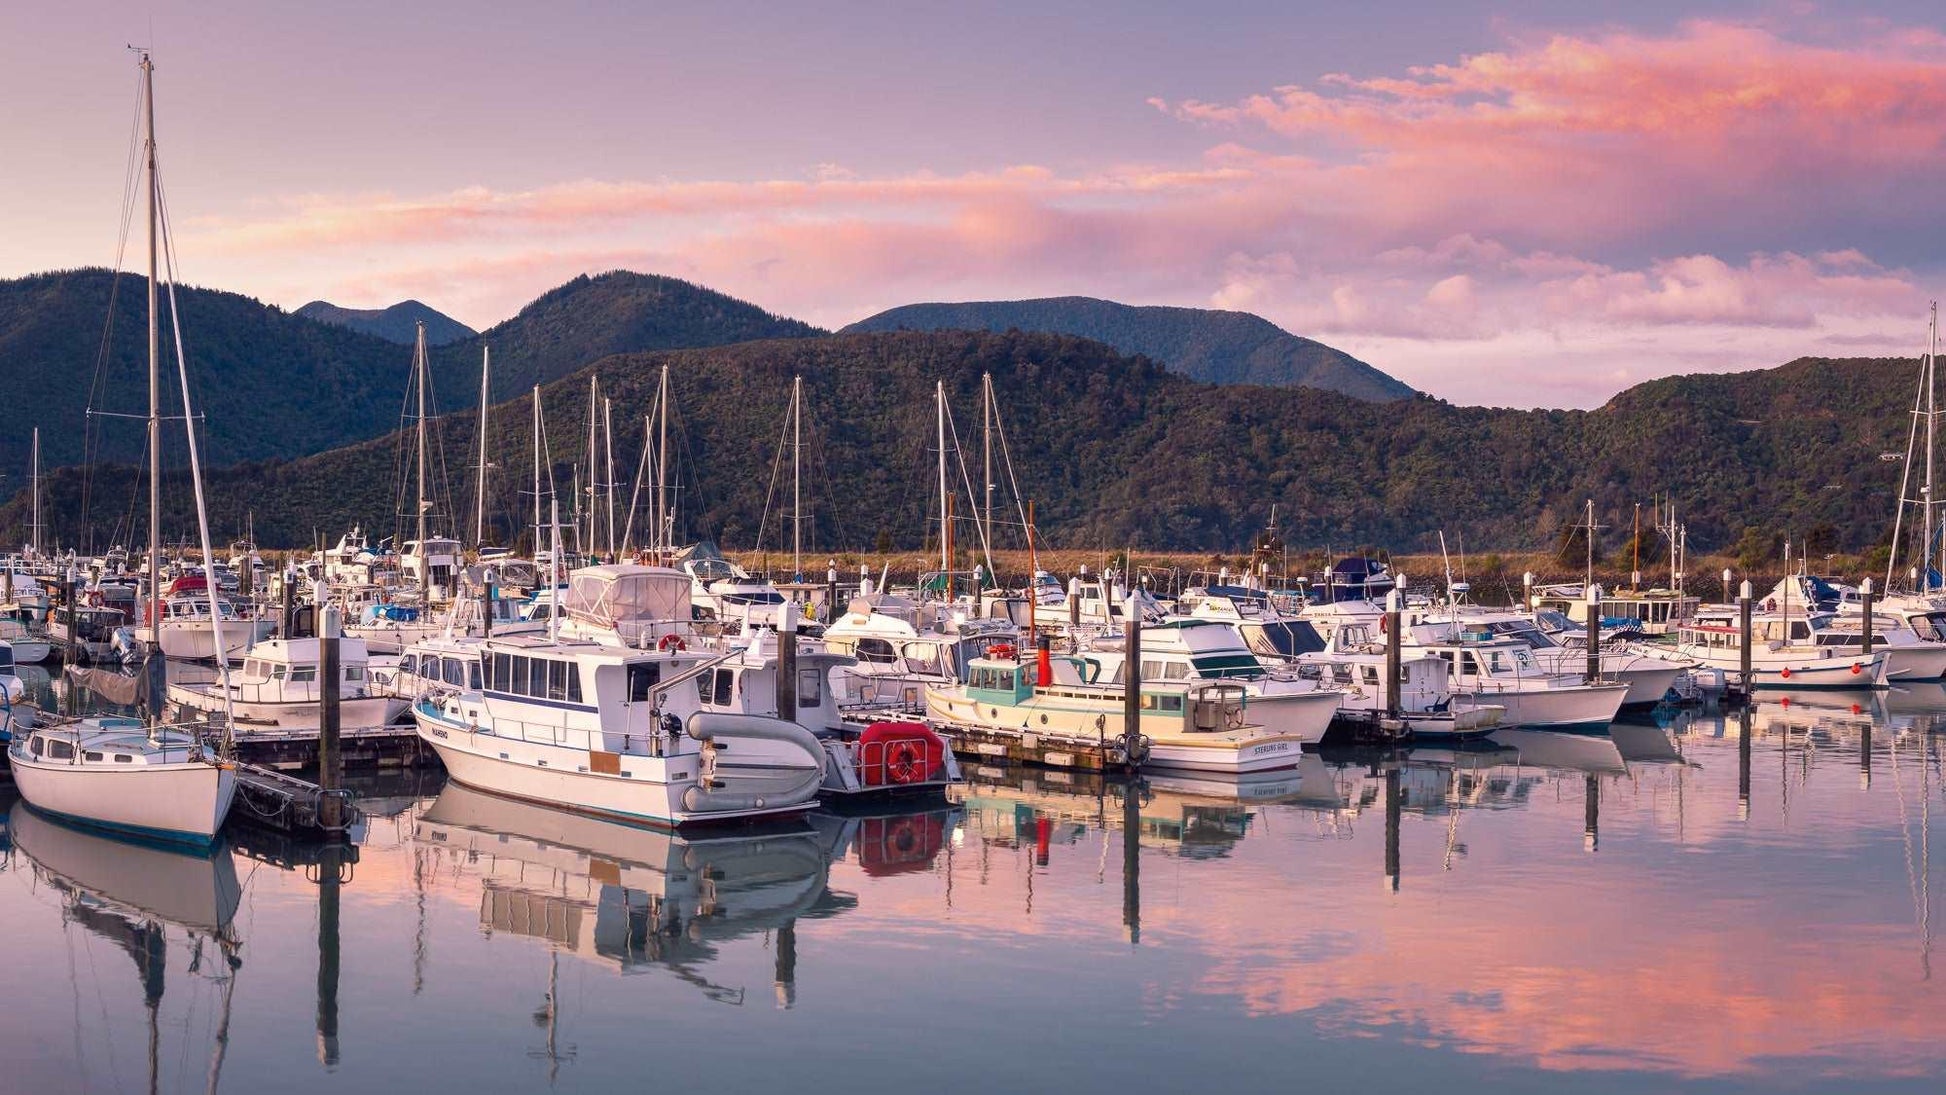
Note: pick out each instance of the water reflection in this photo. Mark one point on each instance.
(633, 898)
(136, 897)
(1737, 898)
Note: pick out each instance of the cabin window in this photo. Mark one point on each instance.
(91, 755)
(34, 746)
(498, 671)
(1467, 663)
(557, 680)
(60, 750)
(810, 688)
(536, 677)
(1171, 703)
(455, 672)
(642, 679)
(124, 758)
(473, 675)
(276, 672)
(355, 673)
(876, 650)
(303, 673)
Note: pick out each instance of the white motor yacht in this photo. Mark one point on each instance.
(278, 686)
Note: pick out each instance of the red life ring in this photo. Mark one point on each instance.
(1786, 674)
(670, 642)
(1003, 651)
(905, 761)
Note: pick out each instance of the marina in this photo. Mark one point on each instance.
(1465, 609)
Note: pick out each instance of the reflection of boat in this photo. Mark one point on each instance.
(1201, 815)
(1640, 744)
(131, 895)
(633, 897)
(1593, 753)
(889, 844)
(194, 891)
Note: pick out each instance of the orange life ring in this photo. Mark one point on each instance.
(1003, 651)
(905, 761)
(670, 642)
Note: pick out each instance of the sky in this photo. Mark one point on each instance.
(1524, 203)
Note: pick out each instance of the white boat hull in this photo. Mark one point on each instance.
(195, 640)
(1584, 705)
(183, 801)
(644, 791)
(353, 713)
(30, 651)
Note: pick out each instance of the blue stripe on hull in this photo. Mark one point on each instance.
(168, 839)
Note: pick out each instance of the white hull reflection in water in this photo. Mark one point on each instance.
(621, 894)
(1740, 903)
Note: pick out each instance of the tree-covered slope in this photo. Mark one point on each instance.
(1221, 347)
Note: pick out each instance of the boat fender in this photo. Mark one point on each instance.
(1856, 669)
(1786, 674)
(671, 641)
(1385, 624)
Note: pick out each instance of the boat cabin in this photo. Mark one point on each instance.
(435, 566)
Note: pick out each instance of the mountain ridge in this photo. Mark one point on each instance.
(397, 323)
(1214, 345)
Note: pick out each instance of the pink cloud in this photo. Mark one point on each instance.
(1635, 200)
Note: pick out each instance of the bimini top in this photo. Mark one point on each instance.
(613, 596)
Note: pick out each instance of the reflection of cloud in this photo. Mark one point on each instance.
(1543, 223)
(1692, 945)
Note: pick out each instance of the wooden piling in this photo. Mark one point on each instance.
(1748, 680)
(1394, 702)
(787, 661)
(1132, 860)
(1132, 688)
(1594, 633)
(331, 766)
(1866, 600)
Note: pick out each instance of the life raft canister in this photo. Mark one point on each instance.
(899, 753)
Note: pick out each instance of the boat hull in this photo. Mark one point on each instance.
(650, 791)
(178, 803)
(1586, 705)
(356, 712)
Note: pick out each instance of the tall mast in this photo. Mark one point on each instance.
(1932, 419)
(594, 400)
(537, 470)
(155, 375)
(36, 541)
(986, 443)
(665, 514)
(419, 374)
(797, 482)
(608, 446)
(479, 489)
(945, 513)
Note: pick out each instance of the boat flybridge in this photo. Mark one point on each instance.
(607, 720)
(1650, 611)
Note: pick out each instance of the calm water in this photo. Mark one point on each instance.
(1615, 910)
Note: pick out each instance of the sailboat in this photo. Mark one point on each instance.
(115, 772)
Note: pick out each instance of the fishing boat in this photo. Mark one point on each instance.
(186, 633)
(1279, 698)
(1425, 705)
(1784, 651)
(615, 729)
(120, 773)
(1190, 724)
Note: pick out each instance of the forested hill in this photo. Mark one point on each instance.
(399, 323)
(269, 383)
(590, 318)
(1118, 451)
(1204, 344)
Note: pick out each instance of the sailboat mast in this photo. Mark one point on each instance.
(945, 512)
(419, 374)
(1932, 420)
(537, 469)
(594, 401)
(36, 542)
(665, 517)
(986, 444)
(608, 447)
(155, 375)
(797, 479)
(479, 489)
